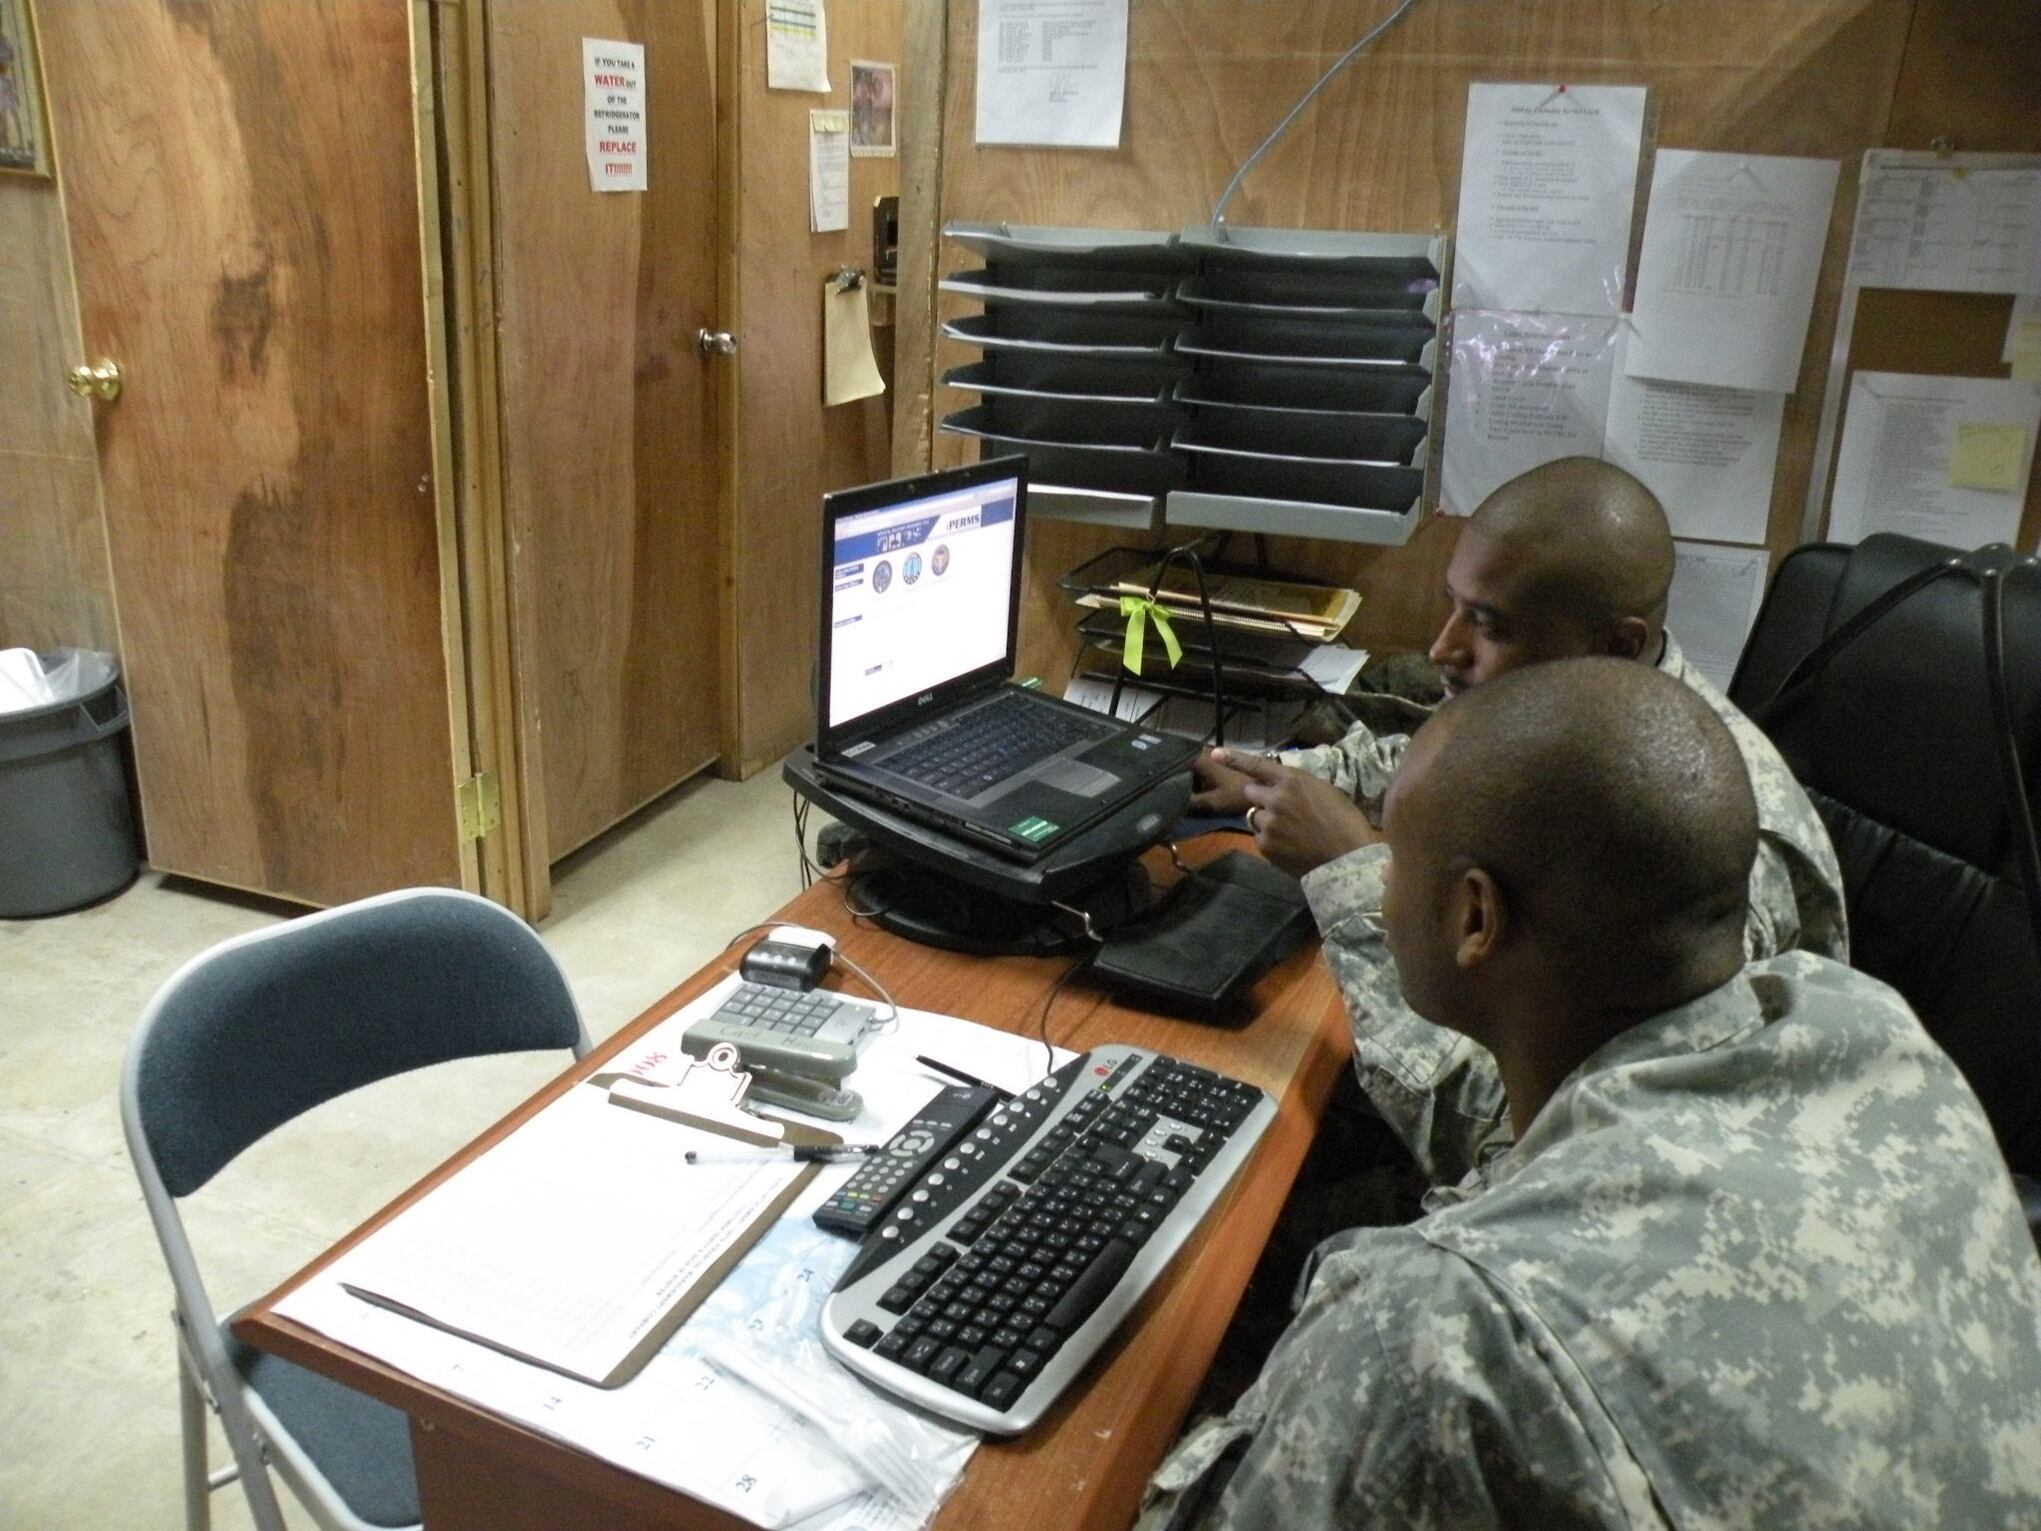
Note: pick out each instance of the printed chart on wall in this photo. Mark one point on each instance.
(1725, 282)
(1945, 459)
(1716, 592)
(1052, 72)
(796, 45)
(1547, 180)
(1921, 427)
(1526, 389)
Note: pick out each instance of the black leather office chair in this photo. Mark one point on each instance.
(1902, 683)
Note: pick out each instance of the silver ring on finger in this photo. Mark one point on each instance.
(1252, 827)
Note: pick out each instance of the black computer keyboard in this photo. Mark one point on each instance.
(976, 749)
(984, 1293)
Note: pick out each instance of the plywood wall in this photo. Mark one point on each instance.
(608, 410)
(1380, 150)
(55, 588)
(790, 449)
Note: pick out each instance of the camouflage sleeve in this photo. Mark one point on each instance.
(1408, 1392)
(1796, 887)
(1436, 1089)
(1360, 764)
(1794, 903)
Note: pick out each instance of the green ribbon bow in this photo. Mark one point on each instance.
(1137, 609)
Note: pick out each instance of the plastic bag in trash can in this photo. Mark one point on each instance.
(25, 683)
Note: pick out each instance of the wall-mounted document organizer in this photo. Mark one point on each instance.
(1293, 369)
(1078, 372)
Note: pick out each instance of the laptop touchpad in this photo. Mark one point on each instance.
(1075, 776)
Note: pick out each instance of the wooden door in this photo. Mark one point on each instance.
(240, 178)
(611, 489)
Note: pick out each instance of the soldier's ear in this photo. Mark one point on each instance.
(1627, 638)
(1479, 918)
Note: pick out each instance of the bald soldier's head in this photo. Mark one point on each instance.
(1569, 559)
(1570, 849)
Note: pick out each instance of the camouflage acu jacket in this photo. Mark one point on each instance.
(1439, 1090)
(1756, 1264)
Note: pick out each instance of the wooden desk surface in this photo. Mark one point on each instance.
(1085, 1464)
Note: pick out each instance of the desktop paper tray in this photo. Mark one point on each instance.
(1121, 470)
(1310, 342)
(1058, 377)
(1094, 292)
(1063, 332)
(1314, 391)
(1378, 440)
(1068, 422)
(1096, 249)
(1307, 294)
(1243, 675)
(1412, 257)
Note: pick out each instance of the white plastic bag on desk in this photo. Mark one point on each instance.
(773, 1344)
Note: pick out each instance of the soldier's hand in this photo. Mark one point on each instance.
(1300, 821)
(1222, 791)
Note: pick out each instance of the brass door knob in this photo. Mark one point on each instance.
(101, 378)
(716, 342)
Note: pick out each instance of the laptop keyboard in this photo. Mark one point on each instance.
(988, 744)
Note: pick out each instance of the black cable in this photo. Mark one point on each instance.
(1048, 1048)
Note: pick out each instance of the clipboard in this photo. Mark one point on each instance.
(449, 1295)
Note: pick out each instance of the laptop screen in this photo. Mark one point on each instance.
(922, 575)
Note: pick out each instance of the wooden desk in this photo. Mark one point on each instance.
(1085, 1464)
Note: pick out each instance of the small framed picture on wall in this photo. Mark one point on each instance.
(872, 114)
(24, 124)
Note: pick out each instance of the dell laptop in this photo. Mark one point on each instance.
(916, 707)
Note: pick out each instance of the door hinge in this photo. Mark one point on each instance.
(480, 803)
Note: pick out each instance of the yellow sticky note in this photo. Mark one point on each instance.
(2023, 350)
(1987, 456)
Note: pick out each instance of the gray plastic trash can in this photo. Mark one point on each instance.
(67, 827)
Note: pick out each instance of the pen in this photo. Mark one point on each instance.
(961, 1077)
(798, 1153)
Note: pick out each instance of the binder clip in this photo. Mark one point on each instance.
(707, 1093)
(848, 277)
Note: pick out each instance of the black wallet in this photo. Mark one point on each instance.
(1213, 935)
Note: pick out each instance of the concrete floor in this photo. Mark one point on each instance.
(88, 1412)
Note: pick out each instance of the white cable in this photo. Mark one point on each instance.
(836, 954)
(892, 1007)
(1219, 212)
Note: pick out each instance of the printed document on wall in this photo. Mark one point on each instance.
(1547, 182)
(1715, 597)
(613, 93)
(828, 171)
(1526, 389)
(796, 45)
(1052, 72)
(1945, 459)
(1725, 282)
(1947, 227)
(1707, 453)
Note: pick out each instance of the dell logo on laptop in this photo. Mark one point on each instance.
(924, 699)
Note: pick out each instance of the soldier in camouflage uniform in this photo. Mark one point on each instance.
(1752, 1258)
(1569, 559)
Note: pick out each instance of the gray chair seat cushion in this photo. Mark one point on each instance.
(361, 1444)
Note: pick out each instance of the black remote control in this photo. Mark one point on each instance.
(890, 1174)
